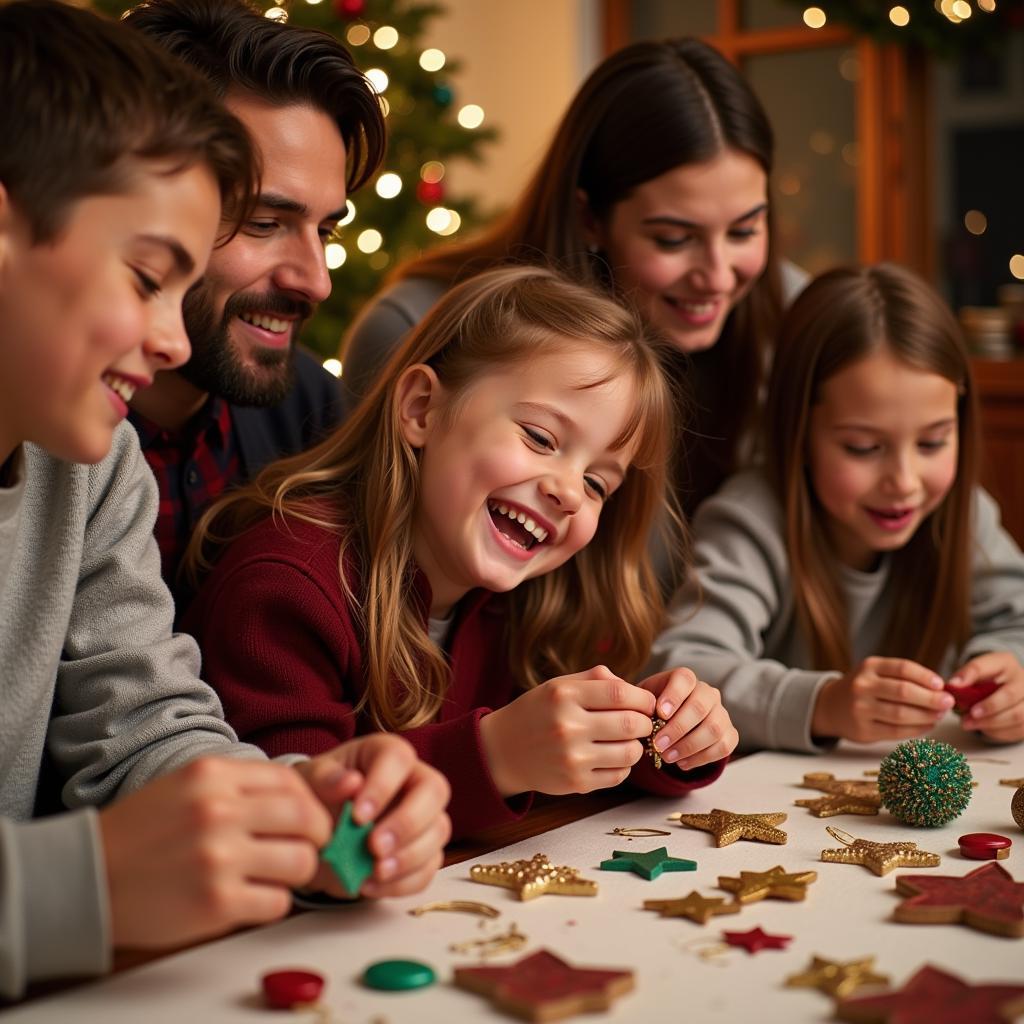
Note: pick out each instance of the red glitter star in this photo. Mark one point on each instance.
(542, 986)
(986, 898)
(755, 940)
(934, 997)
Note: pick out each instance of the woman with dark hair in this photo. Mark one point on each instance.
(656, 187)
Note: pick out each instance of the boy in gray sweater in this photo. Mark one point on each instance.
(116, 167)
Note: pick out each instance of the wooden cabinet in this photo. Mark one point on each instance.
(1001, 397)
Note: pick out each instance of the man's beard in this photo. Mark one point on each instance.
(216, 368)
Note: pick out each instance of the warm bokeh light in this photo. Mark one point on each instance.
(276, 14)
(389, 185)
(358, 34)
(899, 16)
(333, 366)
(369, 240)
(962, 9)
(471, 116)
(334, 255)
(378, 79)
(814, 17)
(385, 37)
(432, 171)
(432, 59)
(976, 222)
(821, 142)
(1017, 266)
(350, 213)
(379, 260)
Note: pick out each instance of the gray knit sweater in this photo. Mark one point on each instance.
(98, 697)
(740, 634)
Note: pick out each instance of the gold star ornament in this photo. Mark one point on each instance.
(775, 883)
(694, 906)
(837, 979)
(878, 857)
(534, 877)
(727, 827)
(845, 796)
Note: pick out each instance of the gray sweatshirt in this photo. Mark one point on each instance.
(740, 634)
(98, 696)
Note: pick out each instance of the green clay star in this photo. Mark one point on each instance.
(647, 865)
(347, 852)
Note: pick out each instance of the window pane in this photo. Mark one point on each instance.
(769, 14)
(664, 19)
(809, 97)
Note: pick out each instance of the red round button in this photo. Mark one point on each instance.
(984, 846)
(284, 989)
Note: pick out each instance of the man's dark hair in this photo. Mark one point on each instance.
(85, 101)
(239, 50)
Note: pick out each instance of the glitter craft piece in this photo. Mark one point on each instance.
(695, 907)
(534, 877)
(727, 827)
(838, 979)
(934, 996)
(657, 724)
(775, 883)
(347, 853)
(647, 865)
(544, 987)
(845, 796)
(878, 857)
(986, 898)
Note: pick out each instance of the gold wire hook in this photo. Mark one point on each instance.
(838, 834)
(638, 832)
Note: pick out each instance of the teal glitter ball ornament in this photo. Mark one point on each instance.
(443, 95)
(925, 783)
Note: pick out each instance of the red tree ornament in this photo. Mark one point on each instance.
(430, 193)
(348, 9)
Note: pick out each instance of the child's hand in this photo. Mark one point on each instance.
(572, 734)
(881, 699)
(216, 844)
(405, 799)
(1000, 716)
(698, 729)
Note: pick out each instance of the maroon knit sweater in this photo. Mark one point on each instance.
(280, 647)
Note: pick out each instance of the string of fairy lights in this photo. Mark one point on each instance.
(955, 11)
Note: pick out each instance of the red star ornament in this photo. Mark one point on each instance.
(755, 940)
(933, 996)
(544, 987)
(986, 898)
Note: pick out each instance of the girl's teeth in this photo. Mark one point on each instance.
(539, 533)
(122, 388)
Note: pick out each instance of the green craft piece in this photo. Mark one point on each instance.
(647, 865)
(924, 783)
(347, 853)
(397, 975)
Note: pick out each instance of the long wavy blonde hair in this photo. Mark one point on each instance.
(362, 482)
(840, 318)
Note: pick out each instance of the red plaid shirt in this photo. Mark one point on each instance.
(192, 466)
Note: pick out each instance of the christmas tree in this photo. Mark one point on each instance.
(406, 207)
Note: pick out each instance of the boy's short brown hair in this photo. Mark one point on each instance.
(87, 99)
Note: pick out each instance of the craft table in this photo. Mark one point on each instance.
(846, 916)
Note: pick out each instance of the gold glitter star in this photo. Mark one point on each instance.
(694, 906)
(878, 857)
(534, 877)
(846, 796)
(838, 979)
(774, 883)
(727, 827)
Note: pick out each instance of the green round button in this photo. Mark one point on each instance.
(396, 975)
